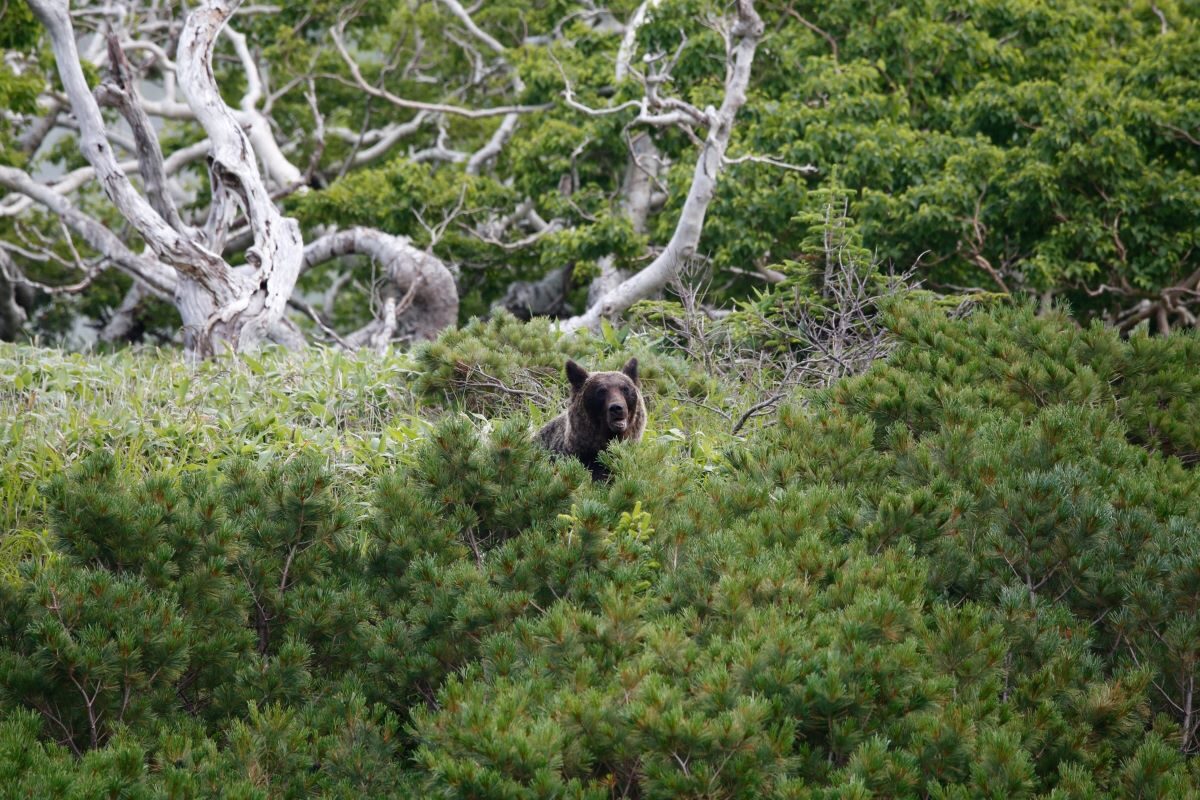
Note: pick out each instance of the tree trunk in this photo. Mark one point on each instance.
(546, 297)
(743, 42)
(12, 314)
(419, 299)
(637, 198)
(221, 307)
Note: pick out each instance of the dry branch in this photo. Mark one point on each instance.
(277, 253)
(742, 42)
(428, 285)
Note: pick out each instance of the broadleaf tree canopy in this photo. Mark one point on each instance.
(539, 154)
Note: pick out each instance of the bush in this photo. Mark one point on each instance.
(157, 414)
(502, 364)
(969, 572)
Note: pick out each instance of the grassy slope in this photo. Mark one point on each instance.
(160, 414)
(911, 479)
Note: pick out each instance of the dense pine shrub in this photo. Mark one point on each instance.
(495, 366)
(970, 572)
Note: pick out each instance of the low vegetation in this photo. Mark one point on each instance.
(970, 571)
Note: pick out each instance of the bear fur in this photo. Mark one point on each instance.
(604, 406)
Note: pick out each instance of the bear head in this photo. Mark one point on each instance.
(608, 404)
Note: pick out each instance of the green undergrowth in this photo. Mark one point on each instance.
(490, 367)
(356, 412)
(157, 413)
(971, 572)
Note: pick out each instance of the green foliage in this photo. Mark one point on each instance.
(438, 523)
(157, 413)
(1025, 134)
(1016, 147)
(1018, 364)
(463, 364)
(1050, 144)
(211, 620)
(495, 365)
(969, 572)
(19, 93)
(972, 571)
(91, 649)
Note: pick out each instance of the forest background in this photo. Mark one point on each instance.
(913, 287)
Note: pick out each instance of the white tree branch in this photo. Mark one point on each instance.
(432, 296)
(650, 106)
(457, 10)
(742, 42)
(807, 169)
(388, 138)
(494, 145)
(336, 34)
(282, 171)
(201, 265)
(157, 276)
(121, 91)
(17, 204)
(629, 40)
(279, 168)
(508, 125)
(277, 253)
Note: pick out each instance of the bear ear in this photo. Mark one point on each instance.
(576, 375)
(630, 369)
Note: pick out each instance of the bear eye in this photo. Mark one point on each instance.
(594, 399)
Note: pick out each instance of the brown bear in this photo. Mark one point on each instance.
(604, 406)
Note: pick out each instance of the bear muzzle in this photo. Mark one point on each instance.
(618, 417)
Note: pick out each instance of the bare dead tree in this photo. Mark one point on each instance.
(642, 191)
(231, 269)
(742, 34)
(1174, 306)
(419, 298)
(222, 306)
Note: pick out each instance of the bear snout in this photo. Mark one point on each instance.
(618, 416)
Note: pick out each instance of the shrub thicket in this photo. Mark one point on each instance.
(969, 572)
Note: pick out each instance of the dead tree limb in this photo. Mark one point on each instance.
(199, 264)
(741, 43)
(157, 276)
(276, 256)
(421, 297)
